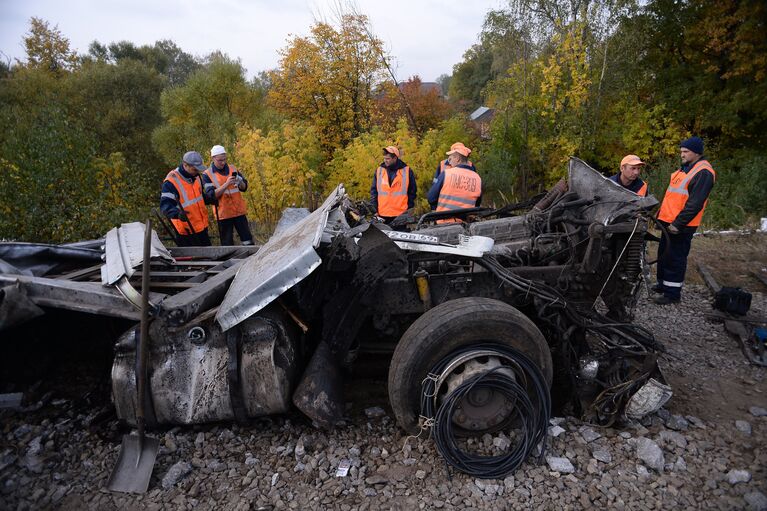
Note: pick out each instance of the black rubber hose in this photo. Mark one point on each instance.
(532, 407)
(665, 234)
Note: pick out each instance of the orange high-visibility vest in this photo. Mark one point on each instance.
(677, 194)
(191, 201)
(443, 164)
(231, 203)
(392, 197)
(642, 192)
(460, 189)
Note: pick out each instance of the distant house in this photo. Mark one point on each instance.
(481, 118)
(426, 87)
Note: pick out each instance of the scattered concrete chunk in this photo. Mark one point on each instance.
(738, 476)
(555, 431)
(176, 473)
(561, 465)
(588, 434)
(602, 455)
(650, 454)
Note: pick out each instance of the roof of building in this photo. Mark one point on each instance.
(482, 113)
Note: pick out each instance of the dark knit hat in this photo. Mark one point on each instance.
(694, 144)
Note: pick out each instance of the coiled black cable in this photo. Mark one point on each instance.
(532, 407)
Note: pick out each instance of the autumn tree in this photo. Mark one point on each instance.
(328, 79)
(207, 109)
(427, 105)
(47, 48)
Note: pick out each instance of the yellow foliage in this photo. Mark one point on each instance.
(281, 168)
(110, 178)
(327, 79)
(647, 131)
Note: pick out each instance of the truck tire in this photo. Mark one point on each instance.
(447, 327)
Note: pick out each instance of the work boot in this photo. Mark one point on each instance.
(665, 300)
(657, 288)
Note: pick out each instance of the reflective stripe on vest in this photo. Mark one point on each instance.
(460, 189)
(191, 201)
(677, 194)
(231, 203)
(392, 197)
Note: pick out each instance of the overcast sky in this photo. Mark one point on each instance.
(427, 37)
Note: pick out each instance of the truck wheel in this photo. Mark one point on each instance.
(457, 325)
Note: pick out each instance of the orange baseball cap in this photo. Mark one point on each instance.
(631, 159)
(459, 148)
(392, 149)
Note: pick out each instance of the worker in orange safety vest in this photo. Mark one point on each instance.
(182, 201)
(458, 187)
(680, 213)
(446, 163)
(394, 187)
(223, 187)
(628, 175)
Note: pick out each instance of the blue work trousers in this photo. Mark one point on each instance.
(226, 229)
(672, 263)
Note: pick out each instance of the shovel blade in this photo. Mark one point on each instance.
(134, 465)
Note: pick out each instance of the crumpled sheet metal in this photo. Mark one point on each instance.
(124, 250)
(285, 260)
(38, 259)
(290, 217)
(16, 307)
(614, 200)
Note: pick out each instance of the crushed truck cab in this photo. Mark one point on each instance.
(237, 334)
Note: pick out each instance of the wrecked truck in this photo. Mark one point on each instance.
(538, 293)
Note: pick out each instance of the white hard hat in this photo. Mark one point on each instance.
(217, 149)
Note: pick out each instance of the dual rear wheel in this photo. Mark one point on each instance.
(463, 328)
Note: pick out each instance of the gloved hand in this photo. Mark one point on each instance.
(182, 215)
(672, 229)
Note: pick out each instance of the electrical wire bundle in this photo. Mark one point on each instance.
(613, 399)
(532, 408)
(629, 338)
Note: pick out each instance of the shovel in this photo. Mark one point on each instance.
(138, 451)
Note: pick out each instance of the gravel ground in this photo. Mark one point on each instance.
(706, 449)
